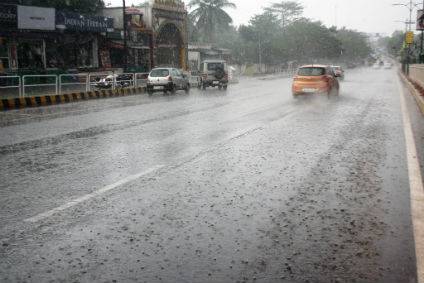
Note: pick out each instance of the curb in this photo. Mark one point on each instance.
(413, 88)
(46, 100)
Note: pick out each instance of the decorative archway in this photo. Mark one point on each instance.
(170, 50)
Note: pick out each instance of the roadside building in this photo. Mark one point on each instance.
(46, 40)
(157, 35)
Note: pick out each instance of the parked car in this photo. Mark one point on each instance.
(315, 79)
(121, 81)
(214, 73)
(339, 72)
(167, 80)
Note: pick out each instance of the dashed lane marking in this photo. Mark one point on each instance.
(416, 187)
(92, 195)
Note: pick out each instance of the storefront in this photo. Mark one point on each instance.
(139, 51)
(77, 47)
(44, 40)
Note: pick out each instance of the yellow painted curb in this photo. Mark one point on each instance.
(19, 103)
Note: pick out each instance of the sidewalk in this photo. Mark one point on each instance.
(415, 89)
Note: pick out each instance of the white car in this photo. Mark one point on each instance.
(387, 66)
(167, 80)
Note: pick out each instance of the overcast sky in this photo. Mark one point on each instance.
(363, 15)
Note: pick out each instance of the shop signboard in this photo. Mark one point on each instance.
(420, 20)
(410, 36)
(36, 18)
(8, 16)
(76, 22)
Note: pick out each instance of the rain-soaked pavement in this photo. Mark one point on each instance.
(248, 186)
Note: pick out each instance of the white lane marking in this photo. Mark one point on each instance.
(416, 187)
(94, 194)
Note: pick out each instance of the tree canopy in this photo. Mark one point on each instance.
(209, 17)
(288, 11)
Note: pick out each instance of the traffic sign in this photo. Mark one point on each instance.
(410, 37)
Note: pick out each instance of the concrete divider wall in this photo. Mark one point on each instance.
(416, 73)
(36, 101)
(414, 88)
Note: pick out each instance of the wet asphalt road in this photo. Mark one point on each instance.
(247, 186)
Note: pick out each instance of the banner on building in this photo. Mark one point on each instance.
(420, 20)
(36, 18)
(83, 23)
(8, 16)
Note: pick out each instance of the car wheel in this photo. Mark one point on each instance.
(173, 89)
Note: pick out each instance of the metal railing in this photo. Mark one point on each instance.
(40, 84)
(141, 79)
(74, 82)
(16, 86)
(124, 80)
(4, 80)
(95, 79)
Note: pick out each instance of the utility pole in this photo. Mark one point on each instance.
(125, 36)
(260, 55)
(422, 40)
(410, 6)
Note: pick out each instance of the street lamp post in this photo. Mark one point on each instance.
(422, 42)
(125, 36)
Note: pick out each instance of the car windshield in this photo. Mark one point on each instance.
(159, 73)
(215, 66)
(311, 71)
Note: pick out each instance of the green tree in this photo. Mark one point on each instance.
(209, 16)
(354, 44)
(288, 11)
(307, 41)
(260, 35)
(395, 43)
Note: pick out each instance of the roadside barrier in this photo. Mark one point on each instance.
(36, 101)
(74, 82)
(39, 81)
(9, 83)
(141, 79)
(414, 88)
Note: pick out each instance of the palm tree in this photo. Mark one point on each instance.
(209, 16)
(288, 11)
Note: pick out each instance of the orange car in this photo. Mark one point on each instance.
(315, 79)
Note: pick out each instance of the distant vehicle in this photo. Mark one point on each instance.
(351, 65)
(315, 79)
(121, 81)
(214, 73)
(376, 66)
(387, 65)
(167, 80)
(339, 72)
